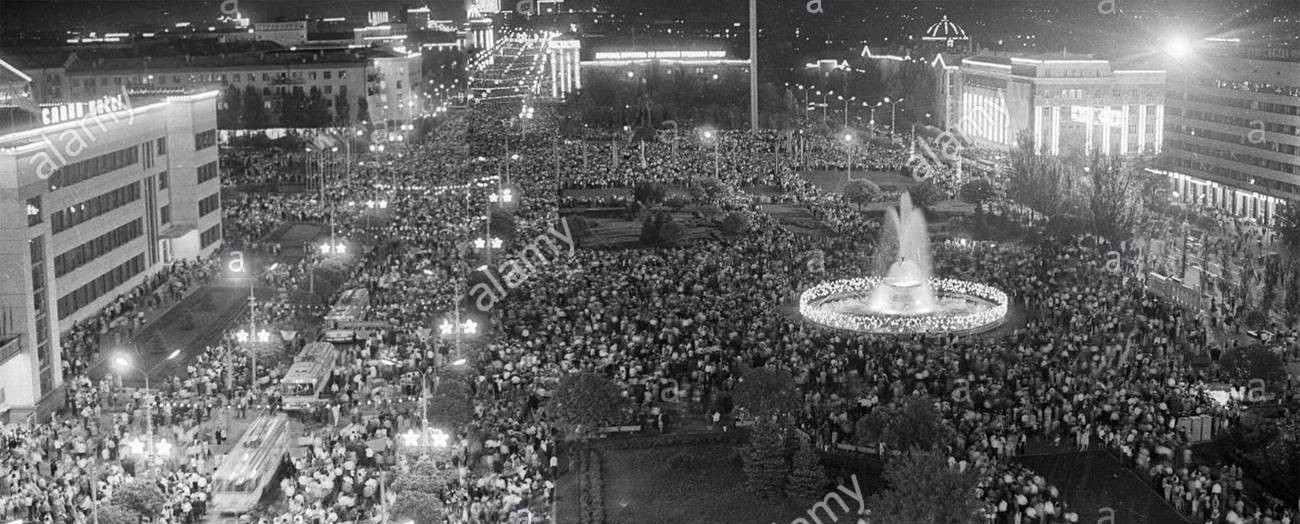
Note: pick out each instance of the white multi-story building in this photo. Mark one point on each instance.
(1066, 103)
(95, 196)
(1232, 136)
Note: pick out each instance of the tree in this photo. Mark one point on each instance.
(923, 489)
(363, 109)
(649, 194)
(670, 234)
(977, 192)
(1115, 198)
(861, 192)
(579, 227)
(317, 112)
(710, 190)
(140, 497)
(231, 109)
(765, 392)
(586, 400)
(926, 194)
(867, 431)
(418, 507)
(254, 107)
(807, 477)
(1254, 362)
(764, 459)
(918, 424)
(1288, 227)
(342, 110)
(736, 223)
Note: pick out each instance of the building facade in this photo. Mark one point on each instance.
(338, 75)
(1232, 134)
(95, 196)
(1066, 103)
(564, 61)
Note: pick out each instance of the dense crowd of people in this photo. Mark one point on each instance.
(1098, 362)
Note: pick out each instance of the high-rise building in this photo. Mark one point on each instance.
(1232, 134)
(95, 196)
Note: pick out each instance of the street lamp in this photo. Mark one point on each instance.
(846, 108)
(717, 154)
(123, 362)
(893, 106)
(848, 147)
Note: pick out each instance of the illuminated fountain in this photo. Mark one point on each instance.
(908, 298)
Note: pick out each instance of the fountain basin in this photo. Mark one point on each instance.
(962, 307)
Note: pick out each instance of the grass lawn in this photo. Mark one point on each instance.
(1094, 480)
(643, 487)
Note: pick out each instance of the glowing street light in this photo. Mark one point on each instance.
(505, 196)
(468, 327)
(494, 243)
(1178, 47)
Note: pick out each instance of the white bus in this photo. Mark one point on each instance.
(248, 469)
(308, 376)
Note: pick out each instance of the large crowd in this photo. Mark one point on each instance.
(1097, 363)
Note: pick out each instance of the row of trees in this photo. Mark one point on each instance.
(1099, 194)
(247, 109)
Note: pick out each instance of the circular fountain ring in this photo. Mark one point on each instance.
(991, 310)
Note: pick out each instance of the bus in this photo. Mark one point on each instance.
(353, 306)
(349, 320)
(250, 466)
(308, 376)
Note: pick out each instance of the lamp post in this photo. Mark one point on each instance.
(717, 142)
(846, 108)
(848, 147)
(122, 361)
(893, 107)
(455, 327)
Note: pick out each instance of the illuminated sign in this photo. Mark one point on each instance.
(646, 55)
(71, 110)
(1097, 115)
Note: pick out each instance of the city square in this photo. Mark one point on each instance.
(589, 262)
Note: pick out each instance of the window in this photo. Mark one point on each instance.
(328, 74)
(34, 211)
(86, 253)
(329, 90)
(93, 167)
(209, 236)
(205, 139)
(207, 172)
(311, 75)
(343, 74)
(62, 220)
(266, 77)
(162, 146)
(209, 204)
(110, 280)
(166, 214)
(162, 180)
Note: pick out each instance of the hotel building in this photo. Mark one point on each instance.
(1067, 103)
(386, 78)
(95, 196)
(1232, 136)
